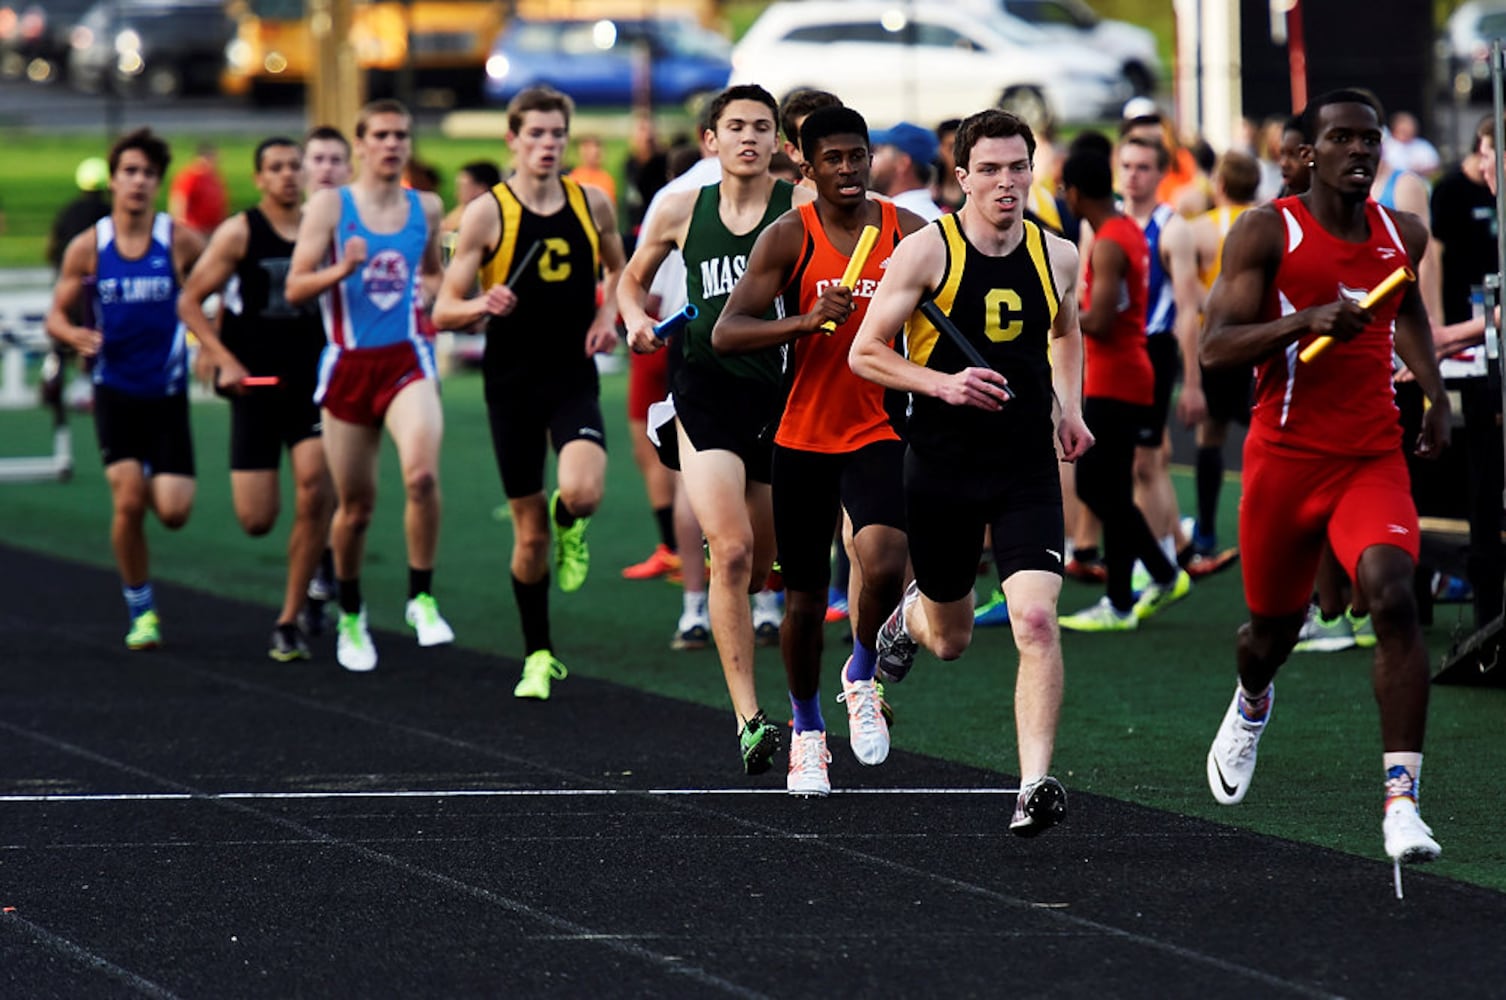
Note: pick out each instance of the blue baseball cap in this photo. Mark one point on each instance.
(919, 144)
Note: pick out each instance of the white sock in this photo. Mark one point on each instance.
(1403, 771)
(766, 602)
(695, 604)
(1169, 547)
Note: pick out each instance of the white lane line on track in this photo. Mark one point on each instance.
(47, 940)
(471, 793)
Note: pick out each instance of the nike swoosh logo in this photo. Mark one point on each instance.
(1229, 789)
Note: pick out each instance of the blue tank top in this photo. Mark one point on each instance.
(374, 306)
(136, 302)
(1160, 309)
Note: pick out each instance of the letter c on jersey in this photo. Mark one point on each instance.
(554, 262)
(998, 302)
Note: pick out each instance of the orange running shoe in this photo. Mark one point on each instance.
(661, 562)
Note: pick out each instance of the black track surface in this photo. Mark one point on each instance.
(225, 892)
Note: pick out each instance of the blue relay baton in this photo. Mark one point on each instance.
(671, 325)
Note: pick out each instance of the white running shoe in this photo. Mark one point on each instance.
(353, 646)
(423, 615)
(808, 760)
(1408, 839)
(1040, 805)
(866, 729)
(1231, 759)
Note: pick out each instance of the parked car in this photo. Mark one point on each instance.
(156, 47)
(603, 61)
(925, 62)
(1132, 46)
(1468, 34)
(34, 37)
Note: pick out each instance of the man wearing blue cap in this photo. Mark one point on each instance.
(904, 158)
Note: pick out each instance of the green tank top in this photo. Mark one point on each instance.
(715, 258)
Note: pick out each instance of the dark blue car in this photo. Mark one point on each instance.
(608, 61)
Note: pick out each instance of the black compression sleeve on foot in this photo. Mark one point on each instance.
(420, 581)
(533, 612)
(350, 596)
(665, 518)
(563, 516)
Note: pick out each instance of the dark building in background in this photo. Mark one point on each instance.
(1383, 45)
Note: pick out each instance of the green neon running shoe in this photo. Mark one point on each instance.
(145, 632)
(540, 670)
(572, 559)
(1363, 628)
(759, 742)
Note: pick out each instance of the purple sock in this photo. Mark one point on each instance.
(863, 663)
(808, 713)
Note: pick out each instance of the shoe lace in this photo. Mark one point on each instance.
(862, 700)
(809, 753)
(545, 666)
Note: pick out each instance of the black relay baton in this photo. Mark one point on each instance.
(941, 321)
(522, 265)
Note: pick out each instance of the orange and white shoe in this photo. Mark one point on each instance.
(808, 761)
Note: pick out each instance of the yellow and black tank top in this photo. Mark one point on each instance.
(545, 335)
(715, 258)
(1004, 306)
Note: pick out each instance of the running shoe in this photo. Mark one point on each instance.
(1041, 805)
(691, 633)
(768, 613)
(1201, 564)
(836, 606)
(540, 670)
(145, 633)
(660, 562)
(1093, 571)
(1449, 589)
(353, 646)
(321, 588)
(1231, 760)
(1158, 597)
(1100, 617)
(993, 613)
(311, 617)
(422, 614)
(1321, 635)
(808, 761)
(1408, 838)
(867, 730)
(885, 709)
(572, 559)
(895, 649)
(1363, 629)
(758, 743)
(287, 644)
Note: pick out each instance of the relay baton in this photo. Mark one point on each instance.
(941, 321)
(517, 272)
(671, 325)
(866, 239)
(1396, 279)
(259, 381)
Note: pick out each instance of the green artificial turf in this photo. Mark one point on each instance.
(1140, 709)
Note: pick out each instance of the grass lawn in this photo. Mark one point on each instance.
(1139, 713)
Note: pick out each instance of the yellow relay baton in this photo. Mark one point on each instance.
(1395, 280)
(866, 239)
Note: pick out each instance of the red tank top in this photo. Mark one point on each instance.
(831, 410)
(1118, 366)
(1341, 402)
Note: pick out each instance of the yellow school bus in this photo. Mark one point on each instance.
(273, 50)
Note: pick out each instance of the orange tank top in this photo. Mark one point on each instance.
(829, 409)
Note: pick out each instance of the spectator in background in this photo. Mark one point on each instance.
(471, 181)
(1404, 148)
(946, 190)
(198, 197)
(645, 171)
(1185, 186)
(590, 170)
(1464, 223)
(904, 159)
